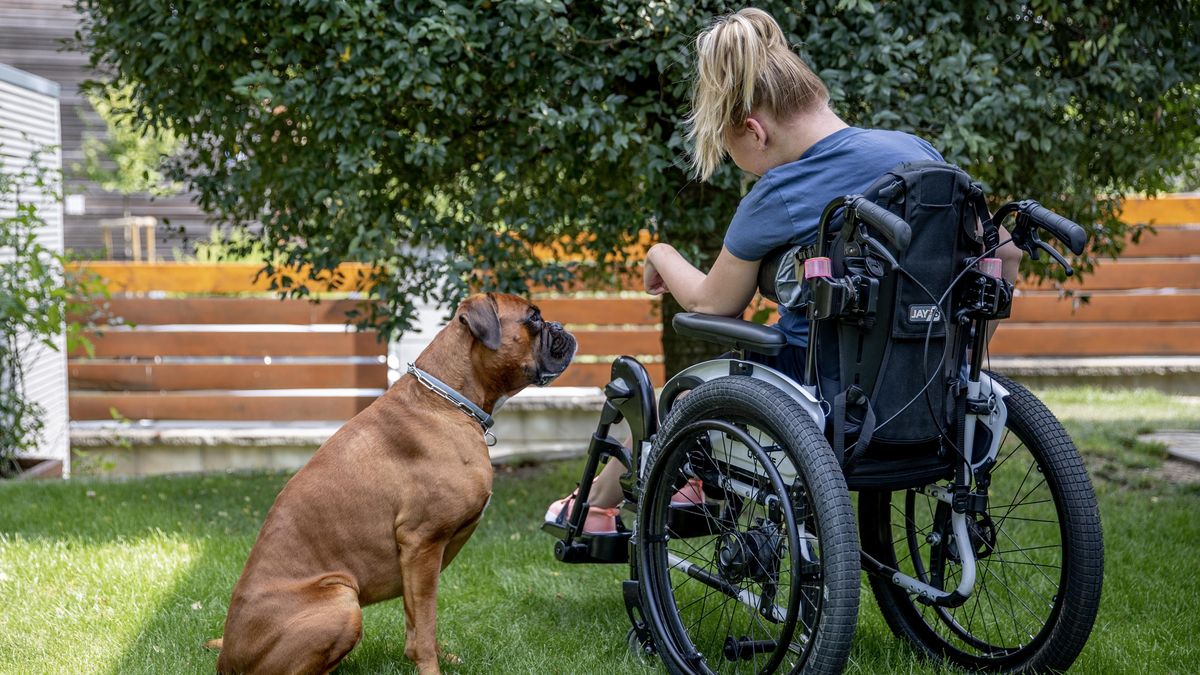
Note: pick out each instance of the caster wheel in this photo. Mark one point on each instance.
(642, 650)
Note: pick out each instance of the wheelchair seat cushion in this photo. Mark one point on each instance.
(731, 332)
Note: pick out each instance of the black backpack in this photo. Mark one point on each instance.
(891, 374)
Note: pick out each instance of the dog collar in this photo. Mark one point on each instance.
(461, 402)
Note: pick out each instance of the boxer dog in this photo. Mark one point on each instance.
(389, 500)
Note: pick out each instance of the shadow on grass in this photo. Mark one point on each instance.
(505, 604)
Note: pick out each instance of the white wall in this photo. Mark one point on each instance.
(430, 319)
(29, 120)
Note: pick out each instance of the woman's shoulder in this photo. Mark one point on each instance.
(849, 151)
(886, 139)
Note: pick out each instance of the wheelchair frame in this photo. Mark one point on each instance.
(629, 396)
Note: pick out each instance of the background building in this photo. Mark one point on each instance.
(35, 36)
(28, 122)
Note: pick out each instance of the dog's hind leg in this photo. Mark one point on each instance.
(316, 639)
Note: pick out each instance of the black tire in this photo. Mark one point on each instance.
(1038, 587)
(802, 554)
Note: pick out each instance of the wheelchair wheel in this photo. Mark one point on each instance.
(1039, 549)
(746, 548)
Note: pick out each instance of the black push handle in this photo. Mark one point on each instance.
(891, 226)
(1063, 229)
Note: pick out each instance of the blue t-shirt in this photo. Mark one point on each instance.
(785, 205)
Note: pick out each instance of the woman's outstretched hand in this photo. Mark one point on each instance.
(652, 279)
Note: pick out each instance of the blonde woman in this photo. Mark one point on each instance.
(756, 101)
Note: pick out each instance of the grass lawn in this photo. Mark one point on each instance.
(132, 576)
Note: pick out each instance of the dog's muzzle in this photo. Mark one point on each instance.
(558, 348)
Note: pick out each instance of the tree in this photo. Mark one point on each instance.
(126, 159)
(441, 141)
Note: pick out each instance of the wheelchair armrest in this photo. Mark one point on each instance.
(736, 333)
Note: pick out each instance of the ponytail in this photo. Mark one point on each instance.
(743, 62)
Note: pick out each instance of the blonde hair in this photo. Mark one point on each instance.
(743, 62)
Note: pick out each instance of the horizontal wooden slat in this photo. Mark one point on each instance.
(598, 375)
(136, 406)
(1166, 210)
(1091, 339)
(152, 311)
(601, 311)
(1135, 273)
(183, 343)
(1166, 242)
(180, 376)
(212, 278)
(1136, 307)
(626, 279)
(606, 342)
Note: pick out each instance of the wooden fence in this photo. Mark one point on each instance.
(1147, 303)
(204, 357)
(199, 352)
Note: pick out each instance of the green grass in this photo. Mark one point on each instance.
(132, 576)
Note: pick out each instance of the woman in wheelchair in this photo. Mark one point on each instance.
(757, 102)
(977, 523)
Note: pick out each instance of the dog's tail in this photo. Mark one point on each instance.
(215, 644)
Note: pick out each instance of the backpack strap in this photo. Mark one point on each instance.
(991, 233)
(857, 398)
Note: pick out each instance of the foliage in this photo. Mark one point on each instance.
(236, 244)
(442, 140)
(41, 297)
(127, 159)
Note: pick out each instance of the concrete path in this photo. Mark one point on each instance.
(1181, 445)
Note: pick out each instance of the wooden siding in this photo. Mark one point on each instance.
(34, 36)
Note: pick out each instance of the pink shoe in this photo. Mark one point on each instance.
(599, 520)
(691, 494)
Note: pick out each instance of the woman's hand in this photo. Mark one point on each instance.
(651, 278)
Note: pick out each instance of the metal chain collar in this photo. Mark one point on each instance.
(441, 389)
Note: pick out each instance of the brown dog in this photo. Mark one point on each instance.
(387, 502)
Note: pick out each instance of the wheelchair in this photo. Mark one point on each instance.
(977, 524)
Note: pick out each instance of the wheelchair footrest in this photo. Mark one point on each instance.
(590, 548)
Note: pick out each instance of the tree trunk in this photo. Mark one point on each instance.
(679, 352)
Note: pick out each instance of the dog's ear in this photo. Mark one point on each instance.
(480, 316)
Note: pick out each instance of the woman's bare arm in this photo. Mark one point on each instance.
(1010, 265)
(726, 289)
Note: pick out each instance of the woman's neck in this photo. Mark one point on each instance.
(793, 137)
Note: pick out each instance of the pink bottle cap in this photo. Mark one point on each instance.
(990, 267)
(817, 267)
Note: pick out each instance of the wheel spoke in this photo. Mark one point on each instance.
(993, 602)
(1021, 605)
(1025, 555)
(752, 593)
(1010, 454)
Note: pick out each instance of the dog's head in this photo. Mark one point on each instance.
(514, 346)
